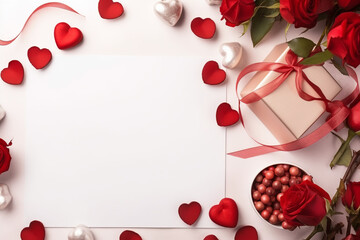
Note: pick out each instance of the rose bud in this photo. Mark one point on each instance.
(5, 157)
(351, 197)
(309, 200)
(236, 12)
(303, 13)
(341, 41)
(352, 237)
(348, 4)
(354, 118)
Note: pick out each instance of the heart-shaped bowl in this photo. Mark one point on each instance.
(268, 187)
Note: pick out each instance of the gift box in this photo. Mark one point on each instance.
(283, 111)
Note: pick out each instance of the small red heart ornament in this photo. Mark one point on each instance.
(14, 73)
(226, 116)
(129, 235)
(109, 9)
(203, 28)
(189, 213)
(225, 213)
(35, 231)
(39, 58)
(211, 74)
(211, 237)
(246, 232)
(66, 36)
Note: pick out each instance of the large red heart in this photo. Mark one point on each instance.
(189, 213)
(14, 73)
(66, 36)
(246, 232)
(225, 116)
(39, 58)
(35, 231)
(109, 9)
(203, 28)
(225, 213)
(211, 237)
(211, 74)
(129, 235)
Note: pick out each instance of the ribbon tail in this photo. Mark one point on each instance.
(301, 143)
(46, 5)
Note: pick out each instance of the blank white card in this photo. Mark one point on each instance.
(122, 141)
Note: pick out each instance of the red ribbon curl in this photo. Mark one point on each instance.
(46, 5)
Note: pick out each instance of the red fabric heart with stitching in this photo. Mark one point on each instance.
(35, 231)
(203, 28)
(129, 235)
(246, 232)
(211, 74)
(225, 213)
(226, 116)
(109, 9)
(189, 213)
(14, 73)
(39, 58)
(211, 237)
(66, 36)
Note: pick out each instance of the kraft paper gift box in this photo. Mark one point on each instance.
(284, 112)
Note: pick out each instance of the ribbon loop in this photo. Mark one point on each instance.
(338, 109)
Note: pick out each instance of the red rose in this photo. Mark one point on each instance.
(304, 204)
(343, 38)
(351, 197)
(352, 237)
(354, 117)
(236, 12)
(348, 4)
(303, 13)
(5, 157)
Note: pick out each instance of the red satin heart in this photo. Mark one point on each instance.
(225, 213)
(109, 9)
(246, 232)
(203, 28)
(189, 213)
(35, 231)
(39, 58)
(66, 36)
(14, 73)
(129, 235)
(225, 116)
(211, 74)
(211, 237)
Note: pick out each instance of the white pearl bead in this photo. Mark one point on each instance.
(81, 232)
(231, 53)
(5, 196)
(169, 11)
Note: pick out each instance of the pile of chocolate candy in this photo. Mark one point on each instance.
(268, 188)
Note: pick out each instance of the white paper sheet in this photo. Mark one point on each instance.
(122, 141)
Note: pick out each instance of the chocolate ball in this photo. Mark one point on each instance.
(281, 217)
(307, 178)
(284, 180)
(265, 199)
(259, 178)
(269, 174)
(278, 197)
(269, 209)
(273, 219)
(270, 191)
(294, 171)
(279, 171)
(286, 167)
(256, 195)
(284, 188)
(276, 185)
(261, 188)
(266, 182)
(259, 206)
(265, 214)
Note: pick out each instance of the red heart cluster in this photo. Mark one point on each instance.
(65, 37)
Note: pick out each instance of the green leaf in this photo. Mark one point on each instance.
(323, 223)
(344, 154)
(318, 58)
(337, 63)
(246, 26)
(301, 46)
(260, 24)
(273, 15)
